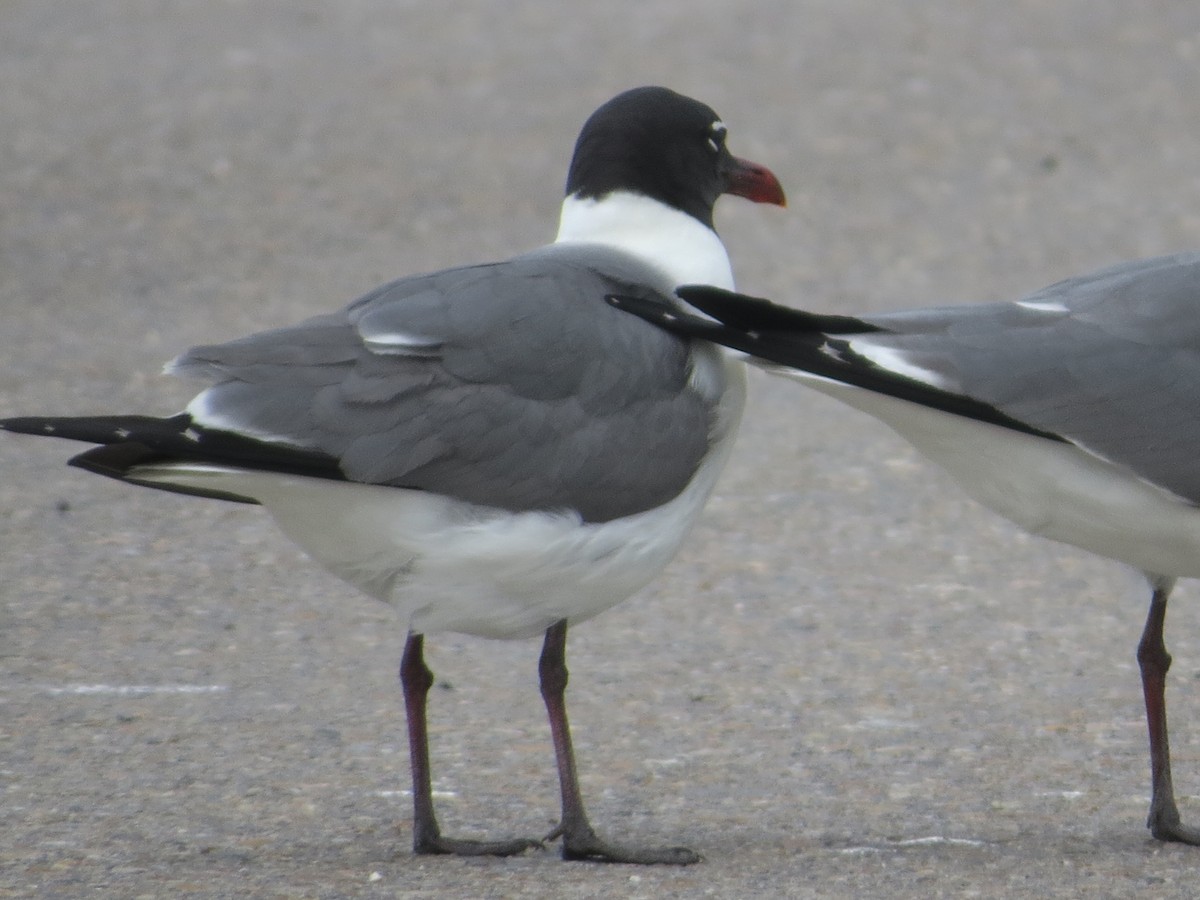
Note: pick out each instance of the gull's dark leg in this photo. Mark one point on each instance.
(1154, 661)
(580, 841)
(416, 680)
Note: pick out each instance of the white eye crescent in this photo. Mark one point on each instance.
(718, 130)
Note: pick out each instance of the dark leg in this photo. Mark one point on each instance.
(579, 840)
(416, 680)
(1154, 661)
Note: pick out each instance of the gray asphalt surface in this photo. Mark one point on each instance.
(852, 683)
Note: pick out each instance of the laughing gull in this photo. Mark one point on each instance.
(1070, 412)
(491, 449)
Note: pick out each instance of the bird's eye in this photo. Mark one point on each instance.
(716, 136)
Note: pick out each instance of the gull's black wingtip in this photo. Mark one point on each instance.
(97, 429)
(120, 462)
(28, 425)
(668, 317)
(757, 314)
(648, 308)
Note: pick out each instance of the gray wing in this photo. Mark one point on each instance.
(512, 385)
(1109, 361)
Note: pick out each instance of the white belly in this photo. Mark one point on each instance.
(1049, 488)
(450, 566)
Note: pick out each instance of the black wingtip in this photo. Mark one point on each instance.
(114, 460)
(734, 309)
(120, 461)
(96, 429)
(648, 308)
(28, 425)
(129, 441)
(670, 318)
(758, 314)
(802, 341)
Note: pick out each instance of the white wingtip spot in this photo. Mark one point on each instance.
(1046, 306)
(898, 363)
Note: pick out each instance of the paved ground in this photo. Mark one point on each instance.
(853, 682)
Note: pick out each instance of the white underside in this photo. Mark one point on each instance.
(1049, 488)
(450, 566)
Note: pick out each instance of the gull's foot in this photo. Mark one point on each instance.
(1165, 826)
(436, 844)
(583, 844)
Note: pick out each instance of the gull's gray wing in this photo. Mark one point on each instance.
(1109, 361)
(510, 385)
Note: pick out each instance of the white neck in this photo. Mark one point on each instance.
(685, 249)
